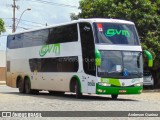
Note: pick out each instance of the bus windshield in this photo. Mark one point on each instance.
(121, 64)
(116, 33)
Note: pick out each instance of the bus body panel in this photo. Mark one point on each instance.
(20, 63)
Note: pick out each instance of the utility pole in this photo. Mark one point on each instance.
(14, 6)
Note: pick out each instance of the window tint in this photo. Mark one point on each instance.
(61, 64)
(15, 41)
(62, 34)
(35, 64)
(120, 64)
(67, 33)
(28, 39)
(35, 38)
(115, 33)
(88, 48)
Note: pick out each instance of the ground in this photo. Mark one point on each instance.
(12, 100)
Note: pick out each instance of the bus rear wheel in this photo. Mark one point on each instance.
(21, 86)
(28, 89)
(27, 86)
(77, 90)
(114, 97)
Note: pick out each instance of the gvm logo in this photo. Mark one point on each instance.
(113, 32)
(52, 48)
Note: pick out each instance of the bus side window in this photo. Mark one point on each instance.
(35, 38)
(88, 48)
(63, 34)
(15, 41)
(10, 39)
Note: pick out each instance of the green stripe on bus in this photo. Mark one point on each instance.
(111, 81)
(117, 90)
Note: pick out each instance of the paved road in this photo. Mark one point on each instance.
(11, 100)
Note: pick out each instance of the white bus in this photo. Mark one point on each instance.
(91, 56)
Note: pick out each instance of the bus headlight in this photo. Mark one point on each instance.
(103, 84)
(138, 84)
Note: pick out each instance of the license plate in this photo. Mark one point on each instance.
(122, 91)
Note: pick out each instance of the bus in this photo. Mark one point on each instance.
(85, 56)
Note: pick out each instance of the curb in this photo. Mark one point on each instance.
(154, 90)
(2, 82)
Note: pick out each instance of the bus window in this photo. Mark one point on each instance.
(114, 33)
(88, 48)
(15, 41)
(67, 33)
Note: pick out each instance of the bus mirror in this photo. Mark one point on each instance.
(98, 57)
(150, 58)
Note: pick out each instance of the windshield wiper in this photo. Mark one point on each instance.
(115, 72)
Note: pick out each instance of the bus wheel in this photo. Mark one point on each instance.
(77, 90)
(152, 87)
(114, 97)
(35, 92)
(21, 86)
(27, 86)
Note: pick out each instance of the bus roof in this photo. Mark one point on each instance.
(106, 20)
(91, 20)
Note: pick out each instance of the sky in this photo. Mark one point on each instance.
(42, 12)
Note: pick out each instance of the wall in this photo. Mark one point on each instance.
(2, 65)
(2, 73)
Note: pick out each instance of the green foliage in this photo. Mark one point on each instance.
(144, 13)
(2, 29)
(73, 16)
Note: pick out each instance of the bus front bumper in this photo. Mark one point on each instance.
(118, 90)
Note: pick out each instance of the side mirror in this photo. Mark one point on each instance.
(150, 58)
(98, 58)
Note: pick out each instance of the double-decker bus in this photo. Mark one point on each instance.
(91, 56)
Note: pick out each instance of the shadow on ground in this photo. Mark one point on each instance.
(70, 97)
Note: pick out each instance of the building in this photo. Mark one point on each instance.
(3, 58)
(2, 65)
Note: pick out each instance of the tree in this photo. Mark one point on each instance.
(73, 16)
(2, 29)
(144, 13)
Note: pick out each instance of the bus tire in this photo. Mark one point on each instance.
(77, 90)
(21, 86)
(114, 97)
(35, 92)
(152, 87)
(27, 86)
